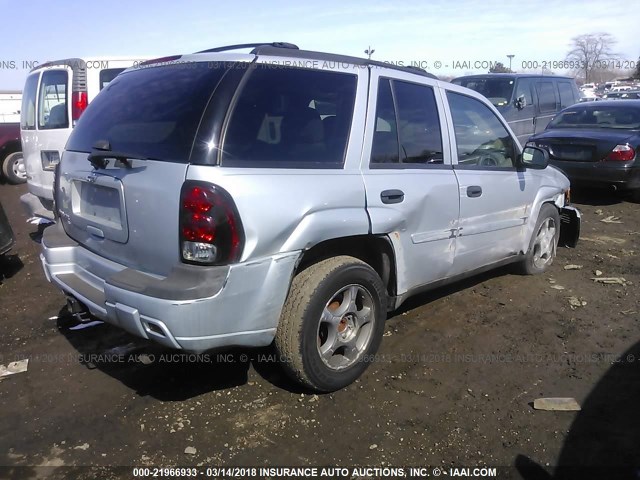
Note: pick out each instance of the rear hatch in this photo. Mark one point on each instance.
(581, 145)
(127, 210)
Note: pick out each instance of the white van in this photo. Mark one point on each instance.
(54, 96)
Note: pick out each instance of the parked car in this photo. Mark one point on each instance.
(220, 199)
(588, 96)
(622, 88)
(621, 95)
(54, 97)
(527, 102)
(612, 95)
(11, 161)
(596, 144)
(6, 233)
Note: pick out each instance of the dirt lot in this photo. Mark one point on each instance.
(457, 373)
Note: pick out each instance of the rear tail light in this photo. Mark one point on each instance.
(622, 153)
(79, 102)
(211, 232)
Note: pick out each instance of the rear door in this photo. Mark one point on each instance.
(547, 103)
(28, 133)
(412, 193)
(128, 211)
(495, 198)
(45, 125)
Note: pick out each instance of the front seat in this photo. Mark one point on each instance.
(57, 117)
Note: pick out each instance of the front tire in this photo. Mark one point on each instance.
(332, 323)
(13, 168)
(544, 242)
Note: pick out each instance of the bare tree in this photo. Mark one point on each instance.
(498, 67)
(592, 52)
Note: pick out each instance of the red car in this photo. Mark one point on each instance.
(11, 162)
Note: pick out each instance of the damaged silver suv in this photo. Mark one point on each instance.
(290, 197)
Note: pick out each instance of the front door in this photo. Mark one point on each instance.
(494, 197)
(523, 111)
(412, 192)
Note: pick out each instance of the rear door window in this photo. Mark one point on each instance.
(52, 101)
(546, 96)
(109, 74)
(152, 112)
(291, 117)
(407, 125)
(28, 109)
(385, 148)
(418, 123)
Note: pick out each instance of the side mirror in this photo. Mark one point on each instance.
(521, 102)
(534, 157)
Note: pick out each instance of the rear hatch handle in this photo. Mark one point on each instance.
(101, 154)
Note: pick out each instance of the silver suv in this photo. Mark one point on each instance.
(290, 197)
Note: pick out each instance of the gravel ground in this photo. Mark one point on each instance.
(453, 385)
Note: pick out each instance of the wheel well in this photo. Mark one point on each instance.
(376, 251)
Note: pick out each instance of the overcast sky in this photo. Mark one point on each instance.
(446, 31)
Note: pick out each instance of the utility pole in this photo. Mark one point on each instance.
(510, 57)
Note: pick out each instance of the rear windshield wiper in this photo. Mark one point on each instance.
(101, 154)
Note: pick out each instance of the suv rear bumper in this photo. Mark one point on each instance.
(193, 308)
(621, 175)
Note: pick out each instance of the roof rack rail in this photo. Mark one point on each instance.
(251, 45)
(416, 68)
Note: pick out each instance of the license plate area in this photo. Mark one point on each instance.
(578, 153)
(98, 207)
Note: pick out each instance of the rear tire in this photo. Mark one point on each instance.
(13, 168)
(544, 241)
(332, 323)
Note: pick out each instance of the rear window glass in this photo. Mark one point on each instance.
(623, 117)
(28, 110)
(291, 117)
(52, 101)
(151, 113)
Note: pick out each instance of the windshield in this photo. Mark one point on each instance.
(497, 90)
(619, 117)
